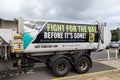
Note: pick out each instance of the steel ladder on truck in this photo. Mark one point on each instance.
(17, 43)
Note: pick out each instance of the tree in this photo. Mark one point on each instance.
(115, 34)
(118, 32)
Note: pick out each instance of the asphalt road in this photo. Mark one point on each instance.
(41, 72)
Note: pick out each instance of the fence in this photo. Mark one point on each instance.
(106, 54)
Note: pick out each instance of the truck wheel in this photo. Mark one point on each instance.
(82, 65)
(61, 67)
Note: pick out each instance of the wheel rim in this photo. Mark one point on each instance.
(83, 65)
(61, 67)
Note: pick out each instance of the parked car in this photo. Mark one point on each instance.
(118, 42)
(114, 45)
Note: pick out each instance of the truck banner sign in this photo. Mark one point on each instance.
(58, 32)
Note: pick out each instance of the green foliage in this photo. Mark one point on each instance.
(115, 34)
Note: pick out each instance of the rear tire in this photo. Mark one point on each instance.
(61, 67)
(82, 65)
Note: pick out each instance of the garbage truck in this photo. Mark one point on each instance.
(60, 45)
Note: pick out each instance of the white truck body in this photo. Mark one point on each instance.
(66, 36)
(60, 45)
(46, 36)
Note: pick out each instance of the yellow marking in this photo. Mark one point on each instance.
(18, 42)
(17, 49)
(94, 73)
(18, 37)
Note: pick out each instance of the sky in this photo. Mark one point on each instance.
(64, 10)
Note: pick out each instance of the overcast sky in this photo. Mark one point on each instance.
(63, 10)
